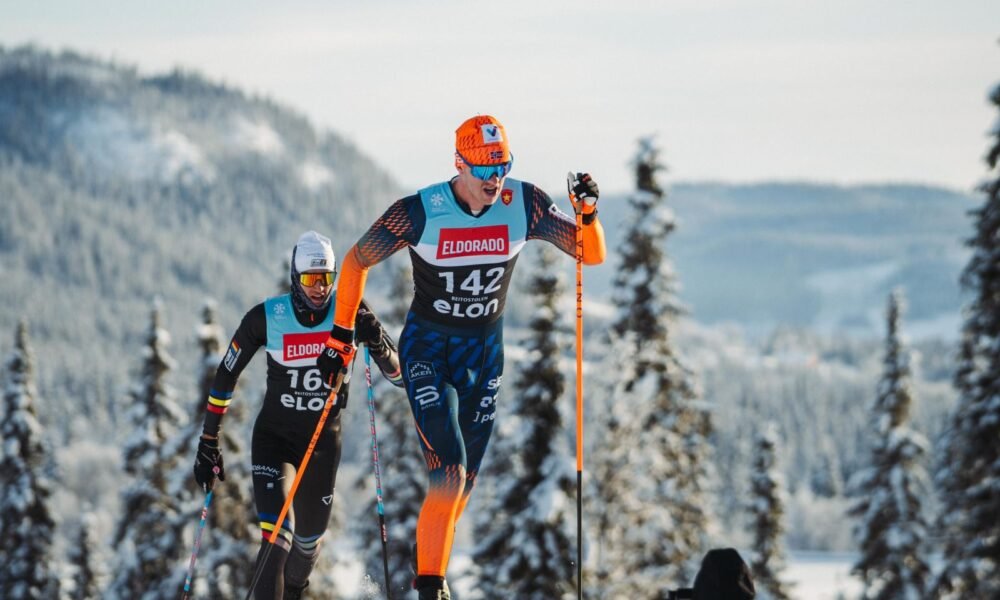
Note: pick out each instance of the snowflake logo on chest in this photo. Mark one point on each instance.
(279, 310)
(437, 200)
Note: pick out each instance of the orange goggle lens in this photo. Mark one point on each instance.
(311, 279)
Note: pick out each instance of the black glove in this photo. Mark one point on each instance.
(340, 404)
(368, 331)
(208, 463)
(583, 193)
(336, 355)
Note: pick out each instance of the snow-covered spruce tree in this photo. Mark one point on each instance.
(653, 475)
(891, 527)
(523, 534)
(149, 549)
(606, 481)
(88, 574)
(767, 511)
(969, 474)
(25, 485)
(826, 480)
(230, 543)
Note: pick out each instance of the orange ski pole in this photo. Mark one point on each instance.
(578, 209)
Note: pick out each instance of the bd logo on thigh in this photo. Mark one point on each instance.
(419, 369)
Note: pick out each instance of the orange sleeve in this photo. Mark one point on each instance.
(594, 248)
(350, 289)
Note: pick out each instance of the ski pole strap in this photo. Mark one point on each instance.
(344, 348)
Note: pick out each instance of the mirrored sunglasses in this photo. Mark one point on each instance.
(487, 172)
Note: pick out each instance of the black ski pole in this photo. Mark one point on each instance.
(378, 476)
(197, 543)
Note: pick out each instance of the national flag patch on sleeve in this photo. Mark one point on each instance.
(231, 356)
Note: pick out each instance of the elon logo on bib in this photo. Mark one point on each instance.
(303, 345)
(472, 241)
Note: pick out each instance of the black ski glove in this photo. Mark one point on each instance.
(368, 331)
(208, 463)
(583, 192)
(336, 355)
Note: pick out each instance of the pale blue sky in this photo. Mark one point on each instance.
(846, 92)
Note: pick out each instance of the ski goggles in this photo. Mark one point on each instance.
(487, 172)
(311, 279)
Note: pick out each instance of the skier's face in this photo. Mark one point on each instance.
(475, 192)
(319, 289)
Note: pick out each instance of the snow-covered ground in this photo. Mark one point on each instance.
(822, 575)
(814, 575)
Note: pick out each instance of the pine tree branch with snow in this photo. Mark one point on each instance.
(25, 485)
(651, 472)
(891, 524)
(968, 477)
(149, 541)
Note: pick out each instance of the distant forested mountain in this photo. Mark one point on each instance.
(118, 188)
(817, 256)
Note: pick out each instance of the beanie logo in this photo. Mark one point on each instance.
(317, 262)
(491, 134)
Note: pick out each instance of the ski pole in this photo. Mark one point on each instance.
(197, 542)
(330, 400)
(378, 476)
(578, 209)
